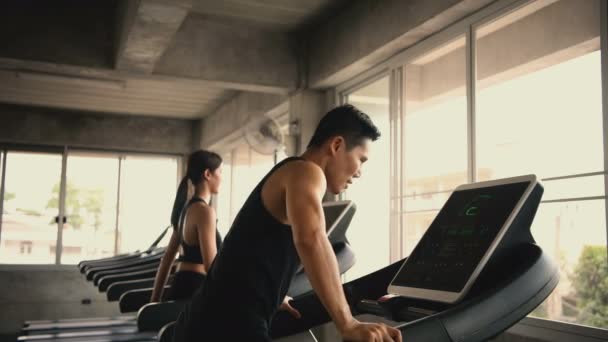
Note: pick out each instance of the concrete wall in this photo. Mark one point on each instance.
(370, 31)
(29, 125)
(36, 292)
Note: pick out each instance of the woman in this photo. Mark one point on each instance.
(195, 234)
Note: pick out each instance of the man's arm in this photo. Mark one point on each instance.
(304, 193)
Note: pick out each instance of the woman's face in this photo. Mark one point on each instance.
(215, 180)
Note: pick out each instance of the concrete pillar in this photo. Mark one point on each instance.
(306, 107)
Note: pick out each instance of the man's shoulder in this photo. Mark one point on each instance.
(303, 167)
(303, 173)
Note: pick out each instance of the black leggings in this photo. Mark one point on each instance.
(185, 283)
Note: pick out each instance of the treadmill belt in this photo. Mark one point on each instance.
(137, 337)
(76, 334)
(74, 320)
(81, 325)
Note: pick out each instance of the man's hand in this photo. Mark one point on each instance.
(370, 332)
(285, 306)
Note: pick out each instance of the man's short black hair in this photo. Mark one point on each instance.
(348, 122)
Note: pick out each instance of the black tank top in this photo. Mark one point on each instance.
(254, 268)
(192, 253)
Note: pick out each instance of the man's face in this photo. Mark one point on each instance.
(345, 164)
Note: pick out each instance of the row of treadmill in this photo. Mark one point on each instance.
(476, 272)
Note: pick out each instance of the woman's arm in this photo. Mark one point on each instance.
(165, 266)
(206, 234)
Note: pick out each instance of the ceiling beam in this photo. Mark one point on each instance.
(208, 49)
(17, 65)
(146, 29)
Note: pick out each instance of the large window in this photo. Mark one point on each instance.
(368, 233)
(108, 204)
(514, 89)
(539, 110)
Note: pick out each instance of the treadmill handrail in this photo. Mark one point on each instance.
(160, 237)
(153, 316)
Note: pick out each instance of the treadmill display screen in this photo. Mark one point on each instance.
(459, 237)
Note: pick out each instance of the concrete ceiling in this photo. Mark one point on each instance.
(166, 58)
(282, 15)
(189, 58)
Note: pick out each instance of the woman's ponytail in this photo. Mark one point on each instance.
(180, 200)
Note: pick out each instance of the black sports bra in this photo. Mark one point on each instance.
(192, 254)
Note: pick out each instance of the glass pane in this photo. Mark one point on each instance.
(539, 110)
(539, 105)
(31, 198)
(428, 201)
(369, 231)
(436, 120)
(223, 197)
(259, 166)
(574, 235)
(435, 158)
(281, 154)
(148, 187)
(420, 211)
(1, 203)
(590, 186)
(90, 207)
(240, 182)
(248, 169)
(417, 223)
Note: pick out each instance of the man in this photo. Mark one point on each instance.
(280, 225)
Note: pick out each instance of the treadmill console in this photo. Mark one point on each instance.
(460, 240)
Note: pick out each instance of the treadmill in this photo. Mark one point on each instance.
(85, 264)
(45, 325)
(152, 317)
(476, 272)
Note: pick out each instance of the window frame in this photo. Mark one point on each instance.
(3, 153)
